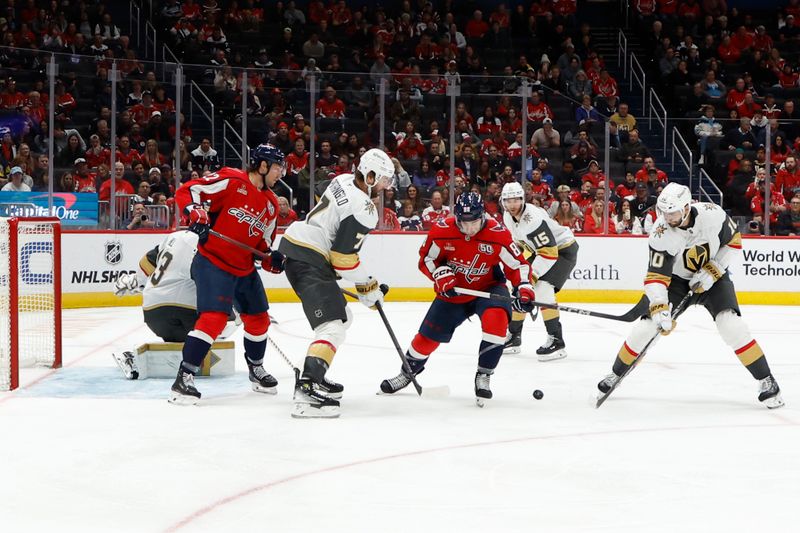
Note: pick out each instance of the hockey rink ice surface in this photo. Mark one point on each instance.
(682, 446)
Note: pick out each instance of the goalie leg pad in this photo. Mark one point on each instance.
(734, 331)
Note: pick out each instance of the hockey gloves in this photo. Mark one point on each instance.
(444, 282)
(704, 278)
(199, 222)
(274, 262)
(127, 284)
(523, 298)
(369, 293)
(661, 314)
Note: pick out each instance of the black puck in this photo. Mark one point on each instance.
(538, 394)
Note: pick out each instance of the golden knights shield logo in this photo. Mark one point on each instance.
(695, 257)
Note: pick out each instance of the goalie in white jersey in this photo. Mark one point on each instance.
(318, 250)
(554, 253)
(169, 295)
(691, 247)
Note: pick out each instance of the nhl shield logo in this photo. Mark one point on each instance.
(113, 252)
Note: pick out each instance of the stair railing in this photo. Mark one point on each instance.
(638, 76)
(622, 53)
(707, 188)
(656, 109)
(685, 155)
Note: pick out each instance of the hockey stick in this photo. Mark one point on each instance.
(675, 312)
(634, 313)
(285, 358)
(430, 392)
(243, 246)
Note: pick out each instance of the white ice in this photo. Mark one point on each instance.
(682, 446)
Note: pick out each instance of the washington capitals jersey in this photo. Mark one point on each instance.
(478, 262)
(333, 232)
(237, 210)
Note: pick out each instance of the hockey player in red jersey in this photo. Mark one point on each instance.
(475, 252)
(242, 207)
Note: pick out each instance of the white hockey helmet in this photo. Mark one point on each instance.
(512, 190)
(674, 199)
(377, 162)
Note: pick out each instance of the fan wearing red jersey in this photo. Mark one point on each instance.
(475, 252)
(243, 208)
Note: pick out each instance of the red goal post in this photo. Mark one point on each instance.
(30, 296)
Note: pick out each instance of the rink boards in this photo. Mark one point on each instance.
(610, 269)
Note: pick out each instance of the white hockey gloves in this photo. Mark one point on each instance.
(369, 293)
(661, 314)
(127, 284)
(704, 278)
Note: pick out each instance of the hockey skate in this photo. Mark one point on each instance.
(607, 382)
(126, 362)
(310, 403)
(769, 393)
(551, 350)
(261, 380)
(514, 344)
(329, 388)
(399, 382)
(183, 390)
(482, 390)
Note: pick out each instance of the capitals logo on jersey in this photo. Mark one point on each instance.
(471, 271)
(256, 222)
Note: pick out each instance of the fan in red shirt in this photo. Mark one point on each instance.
(84, 180)
(286, 215)
(141, 113)
(668, 7)
(728, 52)
(476, 27)
(594, 175)
(125, 154)
(749, 107)
(498, 140)
(605, 86)
(411, 148)
(565, 8)
(627, 187)
(689, 10)
(787, 180)
(121, 185)
(96, 155)
(243, 208)
(762, 41)
(11, 98)
(539, 187)
(643, 174)
(735, 96)
(777, 202)
(645, 8)
(788, 78)
(538, 110)
(742, 39)
(330, 106)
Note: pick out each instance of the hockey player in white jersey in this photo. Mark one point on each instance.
(319, 250)
(691, 248)
(169, 295)
(554, 253)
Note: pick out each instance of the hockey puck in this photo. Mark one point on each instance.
(538, 394)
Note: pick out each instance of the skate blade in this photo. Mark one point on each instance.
(180, 399)
(555, 356)
(776, 402)
(305, 410)
(331, 395)
(264, 390)
(512, 350)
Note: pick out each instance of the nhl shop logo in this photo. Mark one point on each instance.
(113, 252)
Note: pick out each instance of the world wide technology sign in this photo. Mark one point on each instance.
(73, 209)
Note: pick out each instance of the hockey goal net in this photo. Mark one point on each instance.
(30, 296)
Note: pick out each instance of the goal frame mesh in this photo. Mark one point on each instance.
(24, 292)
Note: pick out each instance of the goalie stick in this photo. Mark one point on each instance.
(675, 312)
(427, 392)
(629, 316)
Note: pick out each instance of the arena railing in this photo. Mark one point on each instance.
(656, 109)
(638, 77)
(708, 190)
(622, 52)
